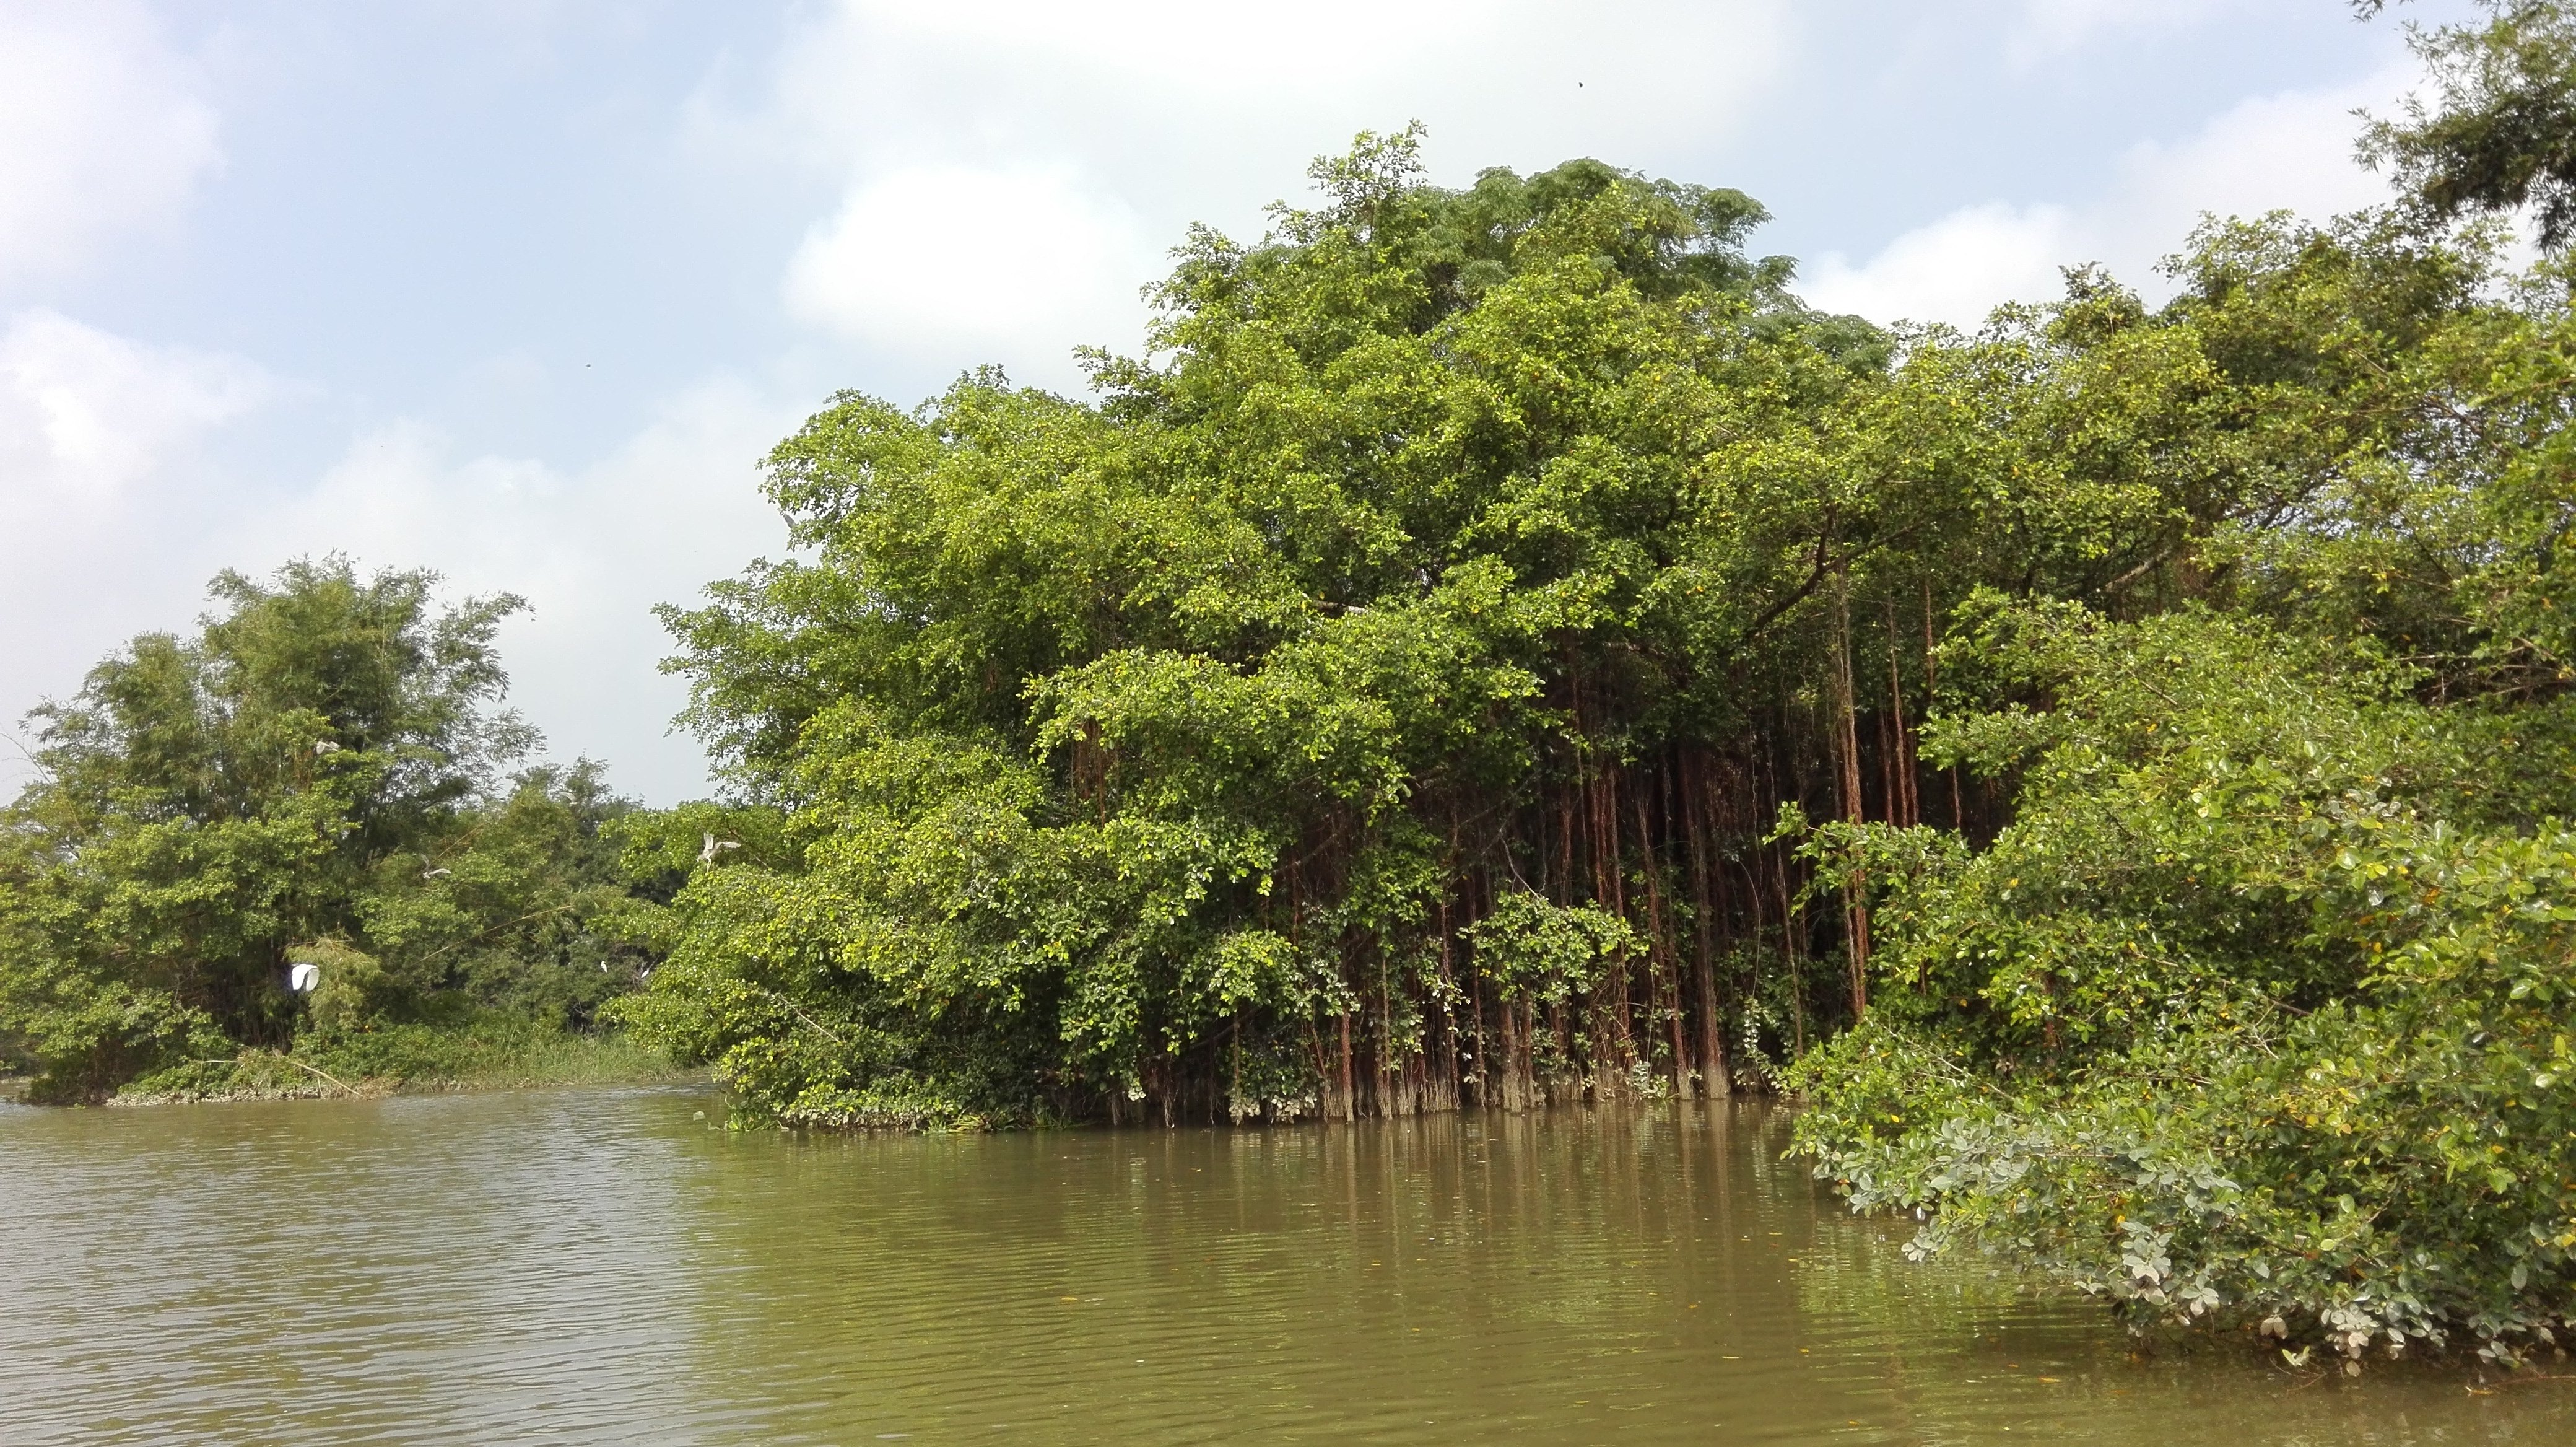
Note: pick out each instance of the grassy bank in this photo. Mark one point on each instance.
(413, 1059)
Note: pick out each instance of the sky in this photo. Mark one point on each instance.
(521, 290)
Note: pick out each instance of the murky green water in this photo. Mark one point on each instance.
(601, 1267)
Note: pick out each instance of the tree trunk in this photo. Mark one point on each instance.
(1847, 737)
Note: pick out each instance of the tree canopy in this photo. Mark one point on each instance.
(1498, 646)
(318, 772)
(2501, 135)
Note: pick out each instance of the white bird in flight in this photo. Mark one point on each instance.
(715, 846)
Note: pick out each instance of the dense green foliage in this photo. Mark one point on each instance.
(2257, 1008)
(317, 775)
(1169, 752)
(2502, 134)
(1502, 647)
(1499, 646)
(2260, 1005)
(1384, 700)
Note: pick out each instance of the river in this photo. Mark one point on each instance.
(602, 1266)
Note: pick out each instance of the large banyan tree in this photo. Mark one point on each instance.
(1383, 695)
(1500, 647)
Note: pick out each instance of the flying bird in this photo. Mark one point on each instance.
(714, 847)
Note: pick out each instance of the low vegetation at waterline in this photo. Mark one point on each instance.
(500, 1052)
(1499, 646)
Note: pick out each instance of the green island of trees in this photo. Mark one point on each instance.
(1498, 646)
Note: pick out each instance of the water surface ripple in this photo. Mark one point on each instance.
(600, 1266)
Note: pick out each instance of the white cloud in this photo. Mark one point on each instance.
(1954, 270)
(104, 486)
(998, 179)
(928, 258)
(85, 413)
(2050, 28)
(876, 80)
(102, 130)
(592, 550)
(2286, 152)
(1187, 44)
(115, 517)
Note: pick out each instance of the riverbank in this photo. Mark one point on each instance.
(413, 1060)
